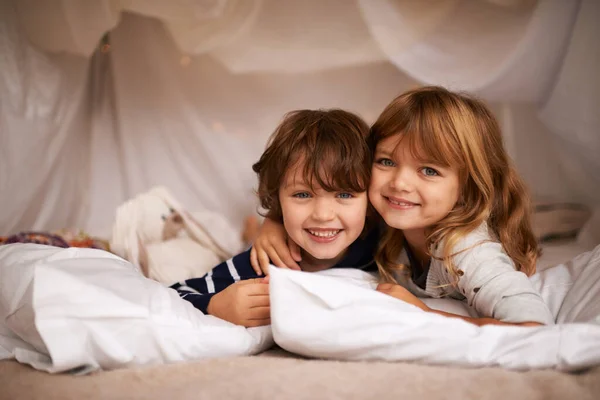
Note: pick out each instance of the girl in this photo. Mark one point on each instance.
(458, 214)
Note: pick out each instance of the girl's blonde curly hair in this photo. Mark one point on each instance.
(456, 130)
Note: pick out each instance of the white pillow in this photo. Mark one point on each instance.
(572, 289)
(62, 309)
(327, 317)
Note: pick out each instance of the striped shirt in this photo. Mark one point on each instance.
(199, 291)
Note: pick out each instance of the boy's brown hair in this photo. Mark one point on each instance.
(329, 145)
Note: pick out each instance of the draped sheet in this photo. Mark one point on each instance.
(187, 92)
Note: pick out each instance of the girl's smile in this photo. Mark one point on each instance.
(407, 192)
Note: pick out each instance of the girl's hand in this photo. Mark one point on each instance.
(401, 293)
(272, 244)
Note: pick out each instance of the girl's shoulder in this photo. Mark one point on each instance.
(482, 236)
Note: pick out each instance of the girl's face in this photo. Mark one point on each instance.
(408, 193)
(324, 224)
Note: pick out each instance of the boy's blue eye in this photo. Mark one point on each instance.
(386, 162)
(430, 171)
(345, 195)
(301, 195)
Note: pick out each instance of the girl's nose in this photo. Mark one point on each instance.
(403, 180)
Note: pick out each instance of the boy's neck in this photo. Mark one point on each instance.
(311, 264)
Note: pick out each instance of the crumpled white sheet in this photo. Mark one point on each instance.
(328, 317)
(86, 309)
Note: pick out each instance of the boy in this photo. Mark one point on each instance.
(313, 178)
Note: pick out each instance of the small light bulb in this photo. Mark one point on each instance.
(185, 61)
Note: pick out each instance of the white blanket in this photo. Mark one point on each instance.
(329, 317)
(85, 309)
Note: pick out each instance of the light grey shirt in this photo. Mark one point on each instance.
(490, 283)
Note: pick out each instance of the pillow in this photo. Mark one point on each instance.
(86, 308)
(572, 289)
(327, 317)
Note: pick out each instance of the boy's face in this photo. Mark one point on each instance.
(322, 223)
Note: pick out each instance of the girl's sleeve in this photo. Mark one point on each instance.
(494, 288)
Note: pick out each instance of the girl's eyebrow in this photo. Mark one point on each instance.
(434, 163)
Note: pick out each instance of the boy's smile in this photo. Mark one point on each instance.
(323, 235)
(324, 224)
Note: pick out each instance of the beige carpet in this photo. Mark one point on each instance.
(279, 375)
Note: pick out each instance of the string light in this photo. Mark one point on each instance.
(185, 61)
(218, 127)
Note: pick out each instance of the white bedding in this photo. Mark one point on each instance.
(65, 309)
(329, 317)
(85, 309)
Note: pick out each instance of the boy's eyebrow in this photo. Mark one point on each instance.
(295, 183)
(384, 152)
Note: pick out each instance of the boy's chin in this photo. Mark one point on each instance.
(314, 268)
(320, 262)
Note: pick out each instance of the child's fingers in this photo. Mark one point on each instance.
(385, 287)
(263, 260)
(295, 252)
(258, 322)
(259, 313)
(277, 261)
(260, 301)
(254, 261)
(288, 261)
(258, 288)
(253, 281)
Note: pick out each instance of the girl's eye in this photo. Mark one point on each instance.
(386, 162)
(301, 195)
(345, 195)
(427, 171)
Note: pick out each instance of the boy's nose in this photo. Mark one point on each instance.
(323, 211)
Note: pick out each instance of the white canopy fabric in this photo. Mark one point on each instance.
(185, 93)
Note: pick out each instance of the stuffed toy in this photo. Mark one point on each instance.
(169, 244)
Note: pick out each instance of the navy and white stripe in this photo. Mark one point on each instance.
(199, 291)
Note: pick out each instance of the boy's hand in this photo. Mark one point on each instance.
(244, 303)
(271, 245)
(401, 293)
